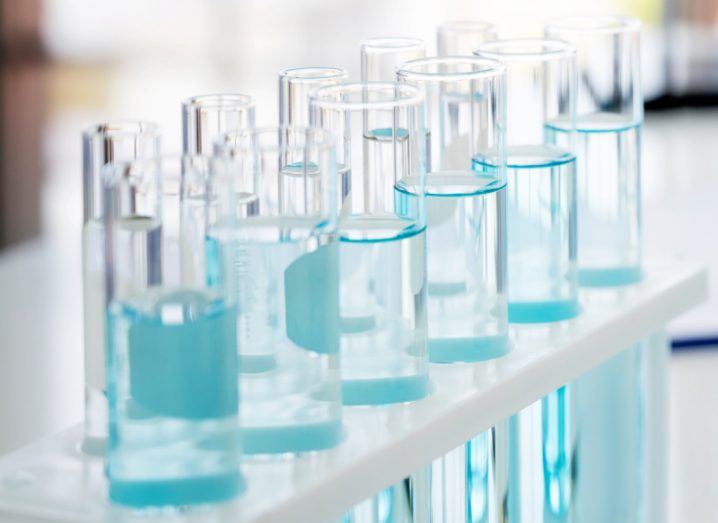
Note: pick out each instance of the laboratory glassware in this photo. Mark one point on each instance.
(466, 214)
(102, 144)
(608, 122)
(171, 341)
(380, 56)
(205, 118)
(460, 38)
(286, 283)
(541, 176)
(382, 222)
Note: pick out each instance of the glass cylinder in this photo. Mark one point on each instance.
(466, 213)
(381, 56)
(286, 282)
(608, 122)
(172, 343)
(541, 176)
(380, 129)
(207, 117)
(102, 144)
(295, 86)
(461, 38)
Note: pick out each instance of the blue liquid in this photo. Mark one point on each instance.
(173, 399)
(383, 310)
(609, 196)
(558, 455)
(286, 285)
(542, 242)
(466, 266)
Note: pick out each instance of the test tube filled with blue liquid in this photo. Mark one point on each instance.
(172, 346)
(608, 122)
(461, 37)
(282, 236)
(541, 177)
(382, 239)
(102, 144)
(466, 214)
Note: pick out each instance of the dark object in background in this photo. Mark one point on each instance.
(691, 59)
(22, 115)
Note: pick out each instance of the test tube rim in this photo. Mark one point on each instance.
(123, 128)
(320, 97)
(467, 26)
(594, 25)
(494, 69)
(290, 74)
(322, 139)
(216, 101)
(390, 44)
(553, 49)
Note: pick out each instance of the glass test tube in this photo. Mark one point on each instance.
(608, 121)
(466, 214)
(207, 117)
(295, 85)
(462, 37)
(172, 343)
(541, 210)
(382, 233)
(466, 239)
(101, 144)
(286, 282)
(381, 56)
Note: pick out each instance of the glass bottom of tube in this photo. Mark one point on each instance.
(177, 492)
(543, 311)
(467, 349)
(613, 277)
(292, 438)
(383, 391)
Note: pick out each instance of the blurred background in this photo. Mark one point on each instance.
(67, 64)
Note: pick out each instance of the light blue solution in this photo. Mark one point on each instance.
(383, 285)
(542, 242)
(609, 199)
(285, 274)
(558, 457)
(173, 399)
(466, 266)
(383, 307)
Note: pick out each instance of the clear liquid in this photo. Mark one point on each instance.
(542, 242)
(609, 196)
(383, 311)
(467, 303)
(285, 281)
(173, 399)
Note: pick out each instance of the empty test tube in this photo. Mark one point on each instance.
(381, 56)
(207, 117)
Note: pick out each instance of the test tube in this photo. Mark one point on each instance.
(608, 121)
(382, 239)
(172, 346)
(466, 239)
(295, 85)
(380, 56)
(466, 213)
(541, 172)
(611, 398)
(462, 37)
(102, 144)
(286, 285)
(207, 117)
